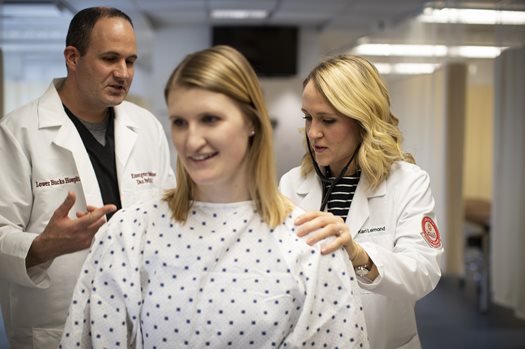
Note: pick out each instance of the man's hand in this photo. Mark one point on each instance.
(64, 235)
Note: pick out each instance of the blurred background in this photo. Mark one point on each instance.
(456, 75)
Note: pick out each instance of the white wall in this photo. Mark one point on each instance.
(27, 75)
(283, 95)
(170, 46)
(418, 102)
(507, 235)
(431, 113)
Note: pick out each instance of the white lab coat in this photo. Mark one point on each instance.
(387, 223)
(43, 157)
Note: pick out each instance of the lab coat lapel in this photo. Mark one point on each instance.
(311, 192)
(359, 210)
(52, 114)
(125, 138)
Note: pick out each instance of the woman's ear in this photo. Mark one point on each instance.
(251, 128)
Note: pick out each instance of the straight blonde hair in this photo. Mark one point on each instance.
(223, 69)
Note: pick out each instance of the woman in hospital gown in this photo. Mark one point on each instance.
(216, 262)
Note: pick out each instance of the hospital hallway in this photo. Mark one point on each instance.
(448, 318)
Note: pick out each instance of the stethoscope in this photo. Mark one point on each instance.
(324, 178)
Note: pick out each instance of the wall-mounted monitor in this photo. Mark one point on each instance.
(272, 50)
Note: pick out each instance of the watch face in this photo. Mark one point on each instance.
(361, 271)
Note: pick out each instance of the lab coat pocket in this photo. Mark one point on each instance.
(131, 196)
(147, 194)
(45, 201)
(381, 237)
(50, 193)
(46, 337)
(49, 198)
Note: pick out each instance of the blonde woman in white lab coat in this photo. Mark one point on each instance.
(359, 186)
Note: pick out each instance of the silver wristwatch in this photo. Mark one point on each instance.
(362, 271)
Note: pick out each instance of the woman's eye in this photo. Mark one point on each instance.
(209, 118)
(307, 117)
(328, 121)
(178, 122)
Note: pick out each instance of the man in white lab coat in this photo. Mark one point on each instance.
(70, 159)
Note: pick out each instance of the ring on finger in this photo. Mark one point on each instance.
(339, 231)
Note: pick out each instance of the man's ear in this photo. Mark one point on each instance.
(71, 54)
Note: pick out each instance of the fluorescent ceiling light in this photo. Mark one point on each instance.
(475, 51)
(406, 68)
(427, 50)
(239, 14)
(30, 10)
(33, 47)
(401, 50)
(20, 35)
(471, 16)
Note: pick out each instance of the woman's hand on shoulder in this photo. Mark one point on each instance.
(320, 225)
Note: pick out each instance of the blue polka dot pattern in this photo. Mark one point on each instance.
(222, 280)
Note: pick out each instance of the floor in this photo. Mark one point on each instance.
(3, 338)
(449, 318)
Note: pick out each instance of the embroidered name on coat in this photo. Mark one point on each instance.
(371, 230)
(58, 181)
(144, 177)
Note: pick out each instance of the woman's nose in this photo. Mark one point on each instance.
(196, 138)
(315, 131)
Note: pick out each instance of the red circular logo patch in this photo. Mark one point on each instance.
(430, 232)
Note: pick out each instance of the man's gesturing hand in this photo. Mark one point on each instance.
(65, 235)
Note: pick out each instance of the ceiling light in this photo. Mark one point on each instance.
(406, 68)
(30, 10)
(239, 14)
(475, 51)
(33, 47)
(427, 50)
(401, 50)
(471, 16)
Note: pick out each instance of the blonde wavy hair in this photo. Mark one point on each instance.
(224, 70)
(353, 87)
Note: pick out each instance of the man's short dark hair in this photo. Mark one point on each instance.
(82, 24)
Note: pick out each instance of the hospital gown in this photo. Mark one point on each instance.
(222, 280)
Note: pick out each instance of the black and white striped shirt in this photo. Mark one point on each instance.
(342, 194)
